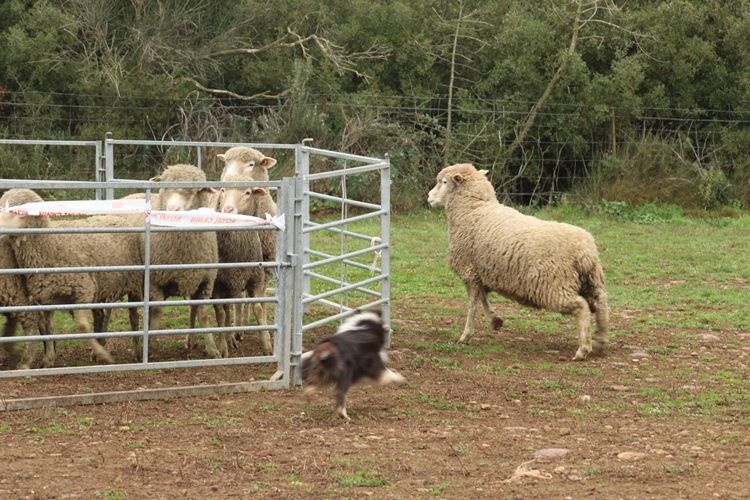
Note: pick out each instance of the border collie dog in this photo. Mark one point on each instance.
(354, 355)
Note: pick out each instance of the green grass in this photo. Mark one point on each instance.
(348, 472)
(110, 494)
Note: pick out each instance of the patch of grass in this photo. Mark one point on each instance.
(664, 350)
(214, 421)
(346, 461)
(437, 402)
(462, 448)
(360, 478)
(293, 481)
(84, 423)
(255, 487)
(150, 424)
(439, 489)
(446, 363)
(499, 368)
(654, 409)
(111, 494)
(52, 428)
(269, 407)
(215, 442)
(654, 393)
(583, 371)
(268, 469)
(5, 427)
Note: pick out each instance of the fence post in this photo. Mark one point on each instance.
(302, 159)
(109, 163)
(296, 246)
(98, 169)
(385, 238)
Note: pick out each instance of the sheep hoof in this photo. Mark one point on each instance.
(581, 354)
(497, 323)
(213, 352)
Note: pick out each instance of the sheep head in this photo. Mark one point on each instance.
(176, 199)
(464, 178)
(240, 200)
(241, 160)
(14, 197)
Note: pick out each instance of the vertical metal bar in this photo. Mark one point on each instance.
(146, 276)
(199, 159)
(295, 238)
(302, 159)
(109, 163)
(385, 237)
(283, 316)
(98, 168)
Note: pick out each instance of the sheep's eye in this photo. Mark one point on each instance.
(222, 190)
(249, 192)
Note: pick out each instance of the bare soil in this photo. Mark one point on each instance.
(651, 418)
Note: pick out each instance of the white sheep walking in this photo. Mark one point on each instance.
(544, 264)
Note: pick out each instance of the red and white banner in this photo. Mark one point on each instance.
(200, 217)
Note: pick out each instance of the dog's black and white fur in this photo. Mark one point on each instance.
(355, 354)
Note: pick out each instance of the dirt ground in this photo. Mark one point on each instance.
(638, 422)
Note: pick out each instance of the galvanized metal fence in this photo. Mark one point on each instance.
(329, 262)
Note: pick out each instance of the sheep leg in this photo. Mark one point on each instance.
(12, 349)
(473, 292)
(583, 315)
(259, 310)
(101, 322)
(154, 323)
(495, 321)
(227, 339)
(602, 322)
(243, 317)
(209, 342)
(223, 313)
(191, 322)
(239, 314)
(83, 325)
(31, 326)
(265, 336)
(49, 345)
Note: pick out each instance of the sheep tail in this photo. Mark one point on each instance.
(591, 283)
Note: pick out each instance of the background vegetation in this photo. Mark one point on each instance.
(631, 102)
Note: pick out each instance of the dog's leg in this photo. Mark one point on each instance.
(389, 376)
(341, 390)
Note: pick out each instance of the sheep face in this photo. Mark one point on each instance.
(177, 199)
(182, 199)
(437, 195)
(460, 176)
(240, 200)
(12, 198)
(242, 160)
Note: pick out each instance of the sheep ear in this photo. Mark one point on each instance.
(267, 162)
(259, 191)
(458, 178)
(221, 157)
(156, 178)
(484, 172)
(208, 190)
